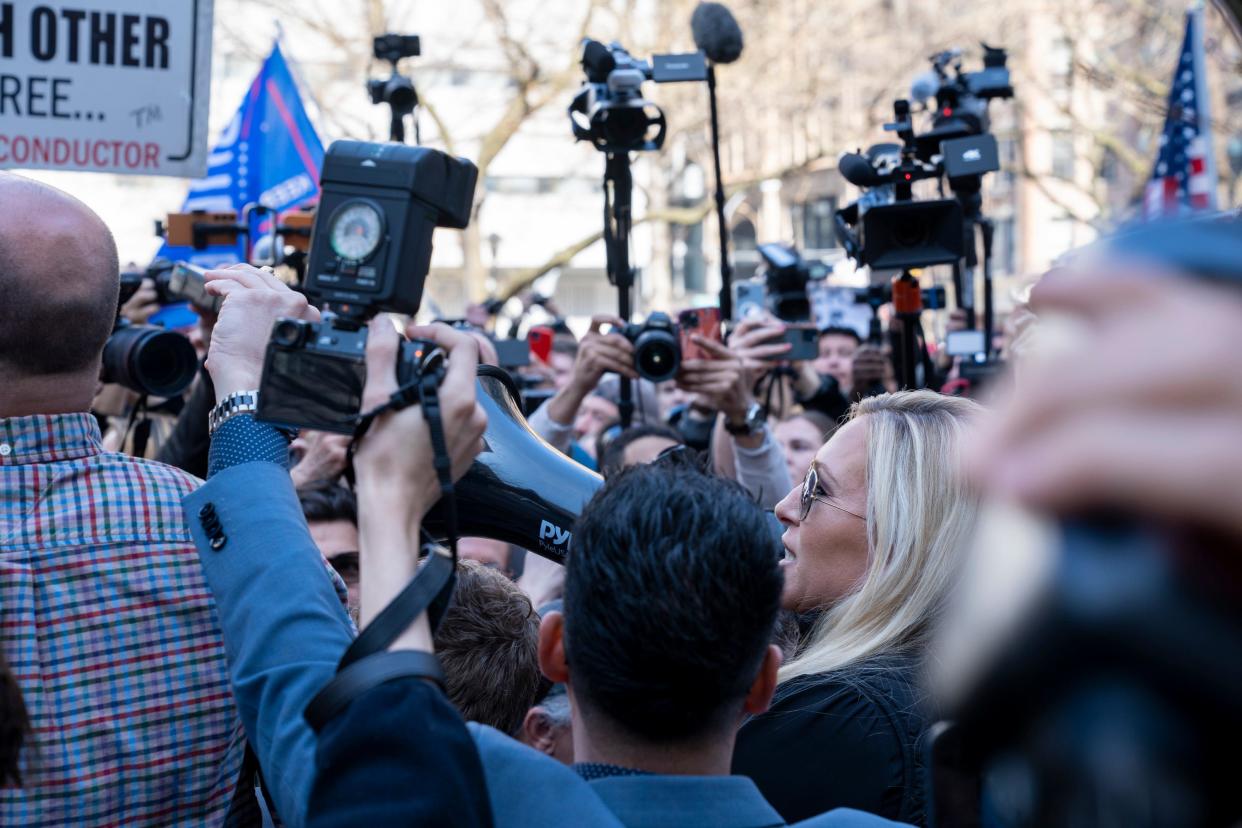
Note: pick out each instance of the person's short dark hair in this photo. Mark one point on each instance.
(821, 421)
(612, 453)
(327, 500)
(58, 304)
(565, 343)
(671, 594)
(838, 330)
(488, 645)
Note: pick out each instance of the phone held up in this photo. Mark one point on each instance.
(703, 322)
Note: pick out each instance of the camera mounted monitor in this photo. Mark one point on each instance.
(975, 155)
(371, 245)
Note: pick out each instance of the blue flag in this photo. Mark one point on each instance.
(268, 154)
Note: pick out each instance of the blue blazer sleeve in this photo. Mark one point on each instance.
(399, 754)
(283, 624)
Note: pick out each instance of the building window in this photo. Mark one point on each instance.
(688, 267)
(816, 221)
(1063, 154)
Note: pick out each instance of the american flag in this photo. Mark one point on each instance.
(1184, 180)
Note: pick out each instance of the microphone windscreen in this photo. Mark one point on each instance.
(924, 87)
(857, 170)
(597, 61)
(716, 32)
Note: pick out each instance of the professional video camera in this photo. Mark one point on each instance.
(957, 146)
(370, 252)
(961, 97)
(612, 114)
(144, 358)
(397, 90)
(610, 110)
(787, 276)
(892, 231)
(888, 230)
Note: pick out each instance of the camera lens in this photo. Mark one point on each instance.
(150, 361)
(656, 355)
(288, 333)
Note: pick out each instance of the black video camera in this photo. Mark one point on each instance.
(657, 347)
(888, 229)
(145, 358)
(787, 275)
(397, 90)
(393, 47)
(370, 252)
(610, 110)
(962, 97)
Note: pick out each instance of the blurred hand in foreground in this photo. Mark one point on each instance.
(1146, 418)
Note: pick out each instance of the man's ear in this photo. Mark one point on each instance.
(552, 648)
(760, 695)
(537, 730)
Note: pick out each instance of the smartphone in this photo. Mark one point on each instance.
(704, 322)
(803, 341)
(750, 298)
(512, 353)
(540, 339)
(964, 343)
(186, 282)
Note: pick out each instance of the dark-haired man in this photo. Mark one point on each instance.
(671, 597)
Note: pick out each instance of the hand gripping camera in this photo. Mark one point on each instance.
(370, 252)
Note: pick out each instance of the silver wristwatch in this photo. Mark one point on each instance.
(752, 422)
(239, 402)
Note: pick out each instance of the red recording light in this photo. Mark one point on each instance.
(948, 111)
(909, 177)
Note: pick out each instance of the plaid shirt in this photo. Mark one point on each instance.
(108, 626)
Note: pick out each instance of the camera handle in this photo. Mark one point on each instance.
(618, 192)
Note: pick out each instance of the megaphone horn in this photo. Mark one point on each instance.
(519, 490)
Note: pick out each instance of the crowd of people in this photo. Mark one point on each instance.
(163, 636)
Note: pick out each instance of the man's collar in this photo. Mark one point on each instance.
(48, 438)
(721, 801)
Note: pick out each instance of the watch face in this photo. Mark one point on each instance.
(356, 230)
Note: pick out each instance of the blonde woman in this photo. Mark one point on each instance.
(872, 539)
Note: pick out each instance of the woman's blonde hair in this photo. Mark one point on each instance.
(919, 514)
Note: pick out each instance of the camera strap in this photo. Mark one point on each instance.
(367, 663)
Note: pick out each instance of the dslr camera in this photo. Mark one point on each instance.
(370, 253)
(145, 358)
(657, 348)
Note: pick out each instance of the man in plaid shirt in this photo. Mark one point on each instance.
(105, 618)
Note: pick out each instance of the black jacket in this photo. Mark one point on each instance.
(850, 739)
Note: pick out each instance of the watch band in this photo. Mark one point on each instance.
(751, 424)
(239, 402)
